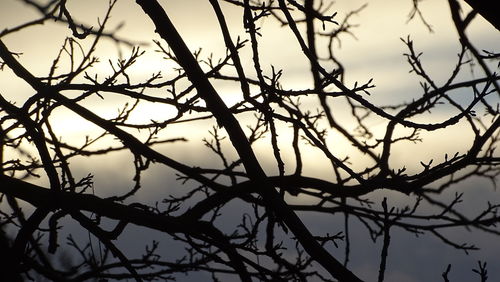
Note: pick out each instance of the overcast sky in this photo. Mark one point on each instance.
(376, 52)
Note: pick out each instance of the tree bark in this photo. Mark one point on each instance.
(488, 9)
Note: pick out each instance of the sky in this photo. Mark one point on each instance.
(375, 51)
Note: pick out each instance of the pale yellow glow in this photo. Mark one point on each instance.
(376, 53)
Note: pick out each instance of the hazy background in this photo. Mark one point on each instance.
(376, 52)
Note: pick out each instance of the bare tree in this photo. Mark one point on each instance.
(44, 193)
